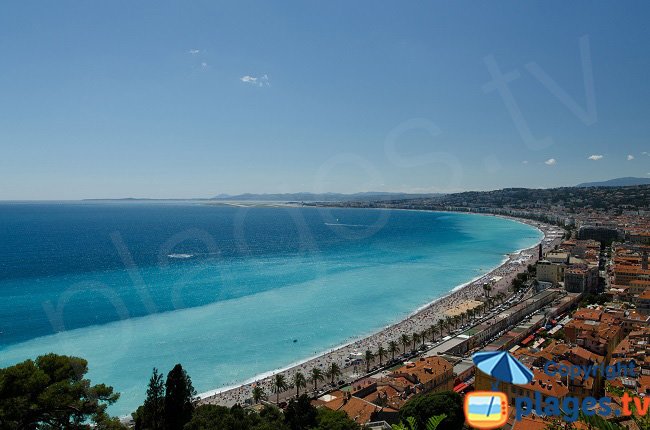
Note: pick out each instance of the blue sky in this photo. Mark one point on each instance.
(192, 99)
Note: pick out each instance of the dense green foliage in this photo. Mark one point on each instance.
(150, 415)
(52, 393)
(212, 417)
(300, 415)
(179, 395)
(411, 423)
(425, 406)
(168, 406)
(593, 299)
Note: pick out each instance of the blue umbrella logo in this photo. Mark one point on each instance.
(489, 409)
(503, 367)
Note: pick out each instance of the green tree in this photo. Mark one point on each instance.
(279, 385)
(299, 381)
(432, 331)
(448, 323)
(441, 325)
(423, 407)
(179, 397)
(411, 423)
(52, 392)
(487, 288)
(333, 372)
(258, 394)
(381, 354)
(369, 357)
(405, 339)
(151, 414)
(416, 339)
(392, 348)
(300, 414)
(212, 417)
(316, 375)
(271, 418)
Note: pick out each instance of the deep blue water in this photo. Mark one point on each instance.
(223, 290)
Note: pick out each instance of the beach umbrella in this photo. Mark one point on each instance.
(503, 367)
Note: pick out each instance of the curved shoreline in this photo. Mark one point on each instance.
(421, 318)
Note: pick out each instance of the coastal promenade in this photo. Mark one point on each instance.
(349, 357)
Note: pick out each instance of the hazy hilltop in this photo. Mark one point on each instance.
(618, 182)
(603, 197)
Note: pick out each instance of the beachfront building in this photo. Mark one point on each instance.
(548, 271)
(541, 383)
(427, 374)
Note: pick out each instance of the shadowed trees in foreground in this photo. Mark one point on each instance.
(299, 415)
(52, 392)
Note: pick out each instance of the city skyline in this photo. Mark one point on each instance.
(158, 100)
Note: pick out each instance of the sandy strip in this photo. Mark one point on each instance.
(422, 319)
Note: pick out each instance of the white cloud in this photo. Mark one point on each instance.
(204, 65)
(630, 157)
(194, 51)
(595, 157)
(262, 81)
(645, 153)
(524, 162)
(550, 162)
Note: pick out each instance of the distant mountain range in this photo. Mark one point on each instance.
(324, 197)
(618, 182)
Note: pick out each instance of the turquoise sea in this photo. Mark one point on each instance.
(223, 290)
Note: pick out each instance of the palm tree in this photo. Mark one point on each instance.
(491, 302)
(381, 353)
(333, 371)
(470, 315)
(369, 357)
(316, 375)
(299, 381)
(487, 288)
(411, 423)
(258, 394)
(500, 296)
(279, 385)
(432, 330)
(448, 323)
(441, 325)
(423, 336)
(416, 339)
(392, 348)
(405, 339)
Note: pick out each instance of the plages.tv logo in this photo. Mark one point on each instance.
(489, 409)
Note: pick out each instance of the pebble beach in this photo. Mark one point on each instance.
(462, 297)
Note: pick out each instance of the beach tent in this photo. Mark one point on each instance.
(503, 367)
